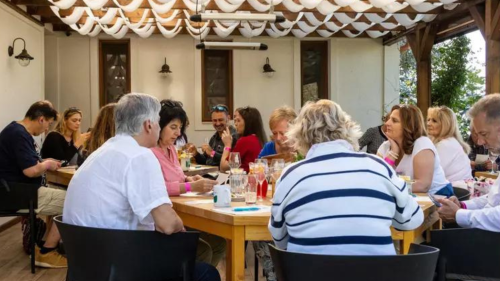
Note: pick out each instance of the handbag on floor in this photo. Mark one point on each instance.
(40, 227)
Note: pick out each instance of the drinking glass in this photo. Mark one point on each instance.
(251, 190)
(493, 155)
(277, 166)
(260, 173)
(234, 161)
(207, 141)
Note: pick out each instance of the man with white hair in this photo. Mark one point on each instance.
(121, 186)
(482, 212)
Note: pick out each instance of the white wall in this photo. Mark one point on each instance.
(19, 86)
(361, 72)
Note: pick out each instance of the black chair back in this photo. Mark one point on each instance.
(16, 196)
(473, 254)
(461, 194)
(110, 255)
(418, 265)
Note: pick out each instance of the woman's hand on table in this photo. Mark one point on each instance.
(203, 185)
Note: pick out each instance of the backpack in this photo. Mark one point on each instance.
(40, 227)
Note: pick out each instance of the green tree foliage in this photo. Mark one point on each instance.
(456, 80)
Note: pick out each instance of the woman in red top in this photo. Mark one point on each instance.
(248, 124)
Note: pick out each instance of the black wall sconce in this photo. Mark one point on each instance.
(268, 70)
(24, 58)
(165, 69)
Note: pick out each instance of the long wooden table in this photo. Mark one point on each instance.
(251, 227)
(63, 176)
(486, 175)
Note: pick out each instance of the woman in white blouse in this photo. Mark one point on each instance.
(411, 153)
(453, 151)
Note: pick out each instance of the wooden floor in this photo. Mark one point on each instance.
(14, 263)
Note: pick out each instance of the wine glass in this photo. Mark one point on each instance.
(234, 161)
(207, 141)
(277, 166)
(493, 155)
(260, 173)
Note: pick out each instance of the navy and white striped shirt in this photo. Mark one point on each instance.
(341, 202)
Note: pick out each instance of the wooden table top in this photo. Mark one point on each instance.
(486, 175)
(63, 175)
(206, 210)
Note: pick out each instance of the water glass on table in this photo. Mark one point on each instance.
(493, 155)
(234, 161)
(251, 190)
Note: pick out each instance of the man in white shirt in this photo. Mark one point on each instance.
(121, 186)
(482, 212)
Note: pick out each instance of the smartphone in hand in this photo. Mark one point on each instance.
(434, 200)
(64, 163)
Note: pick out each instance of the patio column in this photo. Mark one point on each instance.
(421, 43)
(492, 40)
(486, 16)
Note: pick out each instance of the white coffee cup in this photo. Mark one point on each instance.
(222, 196)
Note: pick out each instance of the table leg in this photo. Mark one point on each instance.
(235, 255)
(408, 238)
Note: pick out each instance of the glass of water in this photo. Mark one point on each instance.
(251, 190)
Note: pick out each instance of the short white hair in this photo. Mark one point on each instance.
(322, 121)
(132, 110)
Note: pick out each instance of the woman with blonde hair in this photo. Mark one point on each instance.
(337, 201)
(279, 122)
(104, 128)
(411, 153)
(442, 127)
(65, 142)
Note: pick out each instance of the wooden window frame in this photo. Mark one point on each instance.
(230, 85)
(324, 69)
(102, 100)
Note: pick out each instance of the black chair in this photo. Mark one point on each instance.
(461, 194)
(17, 196)
(109, 255)
(467, 254)
(418, 265)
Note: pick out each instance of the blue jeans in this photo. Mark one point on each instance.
(446, 191)
(205, 272)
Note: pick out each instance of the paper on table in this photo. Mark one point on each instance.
(423, 199)
(196, 202)
(481, 158)
(197, 194)
(229, 210)
(222, 178)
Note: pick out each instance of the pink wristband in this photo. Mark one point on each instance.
(227, 148)
(187, 186)
(212, 154)
(389, 161)
(463, 205)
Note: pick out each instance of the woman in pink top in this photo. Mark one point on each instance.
(172, 118)
(211, 248)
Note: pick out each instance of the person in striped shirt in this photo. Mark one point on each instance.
(338, 201)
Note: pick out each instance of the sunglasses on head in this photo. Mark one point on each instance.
(170, 103)
(219, 108)
(71, 110)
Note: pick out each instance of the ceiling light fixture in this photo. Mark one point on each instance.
(268, 70)
(24, 58)
(231, 46)
(165, 69)
(201, 17)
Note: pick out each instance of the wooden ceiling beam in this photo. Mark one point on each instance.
(172, 24)
(244, 7)
(47, 12)
(21, 12)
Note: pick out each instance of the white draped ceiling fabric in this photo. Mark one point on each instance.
(303, 17)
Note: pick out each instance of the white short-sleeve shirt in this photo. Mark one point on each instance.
(116, 187)
(405, 167)
(455, 163)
